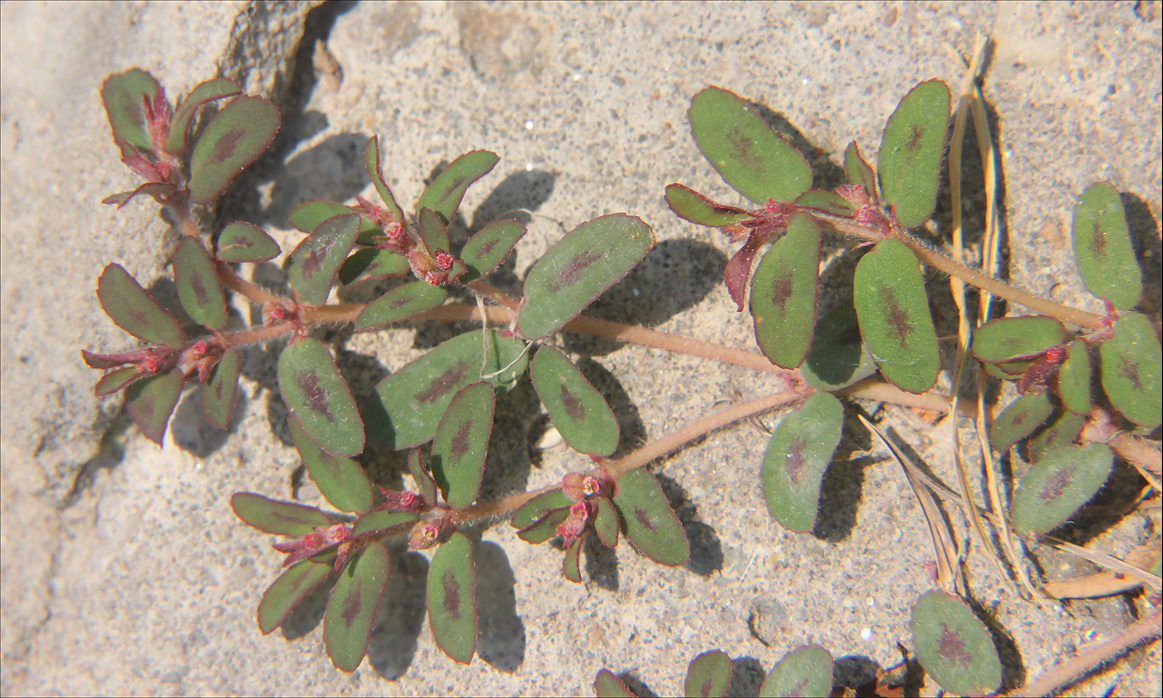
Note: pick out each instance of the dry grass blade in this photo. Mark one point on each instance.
(1107, 582)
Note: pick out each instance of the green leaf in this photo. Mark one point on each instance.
(243, 242)
(150, 402)
(489, 248)
(893, 310)
(351, 610)
(1063, 431)
(1074, 378)
(432, 231)
(648, 521)
(198, 287)
(1009, 338)
(544, 528)
(376, 173)
(287, 592)
(838, 357)
(750, 156)
(798, 453)
(401, 303)
(783, 293)
(318, 257)
(420, 475)
(692, 206)
(606, 685)
(117, 380)
(135, 311)
(911, 151)
(571, 563)
(539, 506)
(201, 95)
(1055, 487)
(452, 601)
(235, 138)
(340, 480)
(307, 217)
(1131, 363)
(409, 403)
(444, 194)
(859, 171)
(606, 522)
(371, 264)
(1102, 246)
(221, 390)
(580, 267)
(709, 674)
(384, 523)
(953, 645)
(462, 443)
(1019, 420)
(122, 94)
(576, 408)
(805, 671)
(319, 398)
(826, 201)
(279, 518)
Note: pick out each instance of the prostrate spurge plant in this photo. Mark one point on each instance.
(439, 408)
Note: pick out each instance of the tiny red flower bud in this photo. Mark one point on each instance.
(444, 260)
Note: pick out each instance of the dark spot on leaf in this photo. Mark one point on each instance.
(644, 519)
(351, 607)
(573, 406)
(1019, 418)
(569, 274)
(1130, 371)
(460, 440)
(705, 687)
(225, 145)
(315, 395)
(442, 383)
(795, 460)
(741, 150)
(915, 136)
(400, 302)
(952, 647)
(797, 691)
(458, 184)
(219, 387)
(487, 247)
(198, 287)
(781, 291)
(314, 259)
(1097, 240)
(1056, 484)
(451, 600)
(898, 317)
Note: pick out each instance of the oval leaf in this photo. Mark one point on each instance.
(272, 516)
(859, 171)
(1131, 364)
(1019, 420)
(805, 671)
(606, 685)
(151, 401)
(401, 303)
(648, 521)
(489, 248)
(371, 264)
(544, 528)
(911, 151)
(234, 138)
(384, 523)
(692, 206)
(709, 674)
(452, 601)
(287, 591)
(243, 242)
(539, 506)
(319, 398)
(318, 257)
(1062, 431)
(826, 201)
(750, 156)
(409, 403)
(420, 475)
(1055, 487)
(221, 390)
(783, 293)
(351, 610)
(117, 380)
(1011, 338)
(122, 94)
(444, 194)
(799, 451)
(201, 95)
(1074, 378)
(198, 287)
(838, 357)
(893, 311)
(953, 645)
(462, 443)
(432, 231)
(340, 480)
(576, 408)
(580, 267)
(307, 217)
(571, 563)
(135, 311)
(376, 173)
(1102, 246)
(606, 522)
